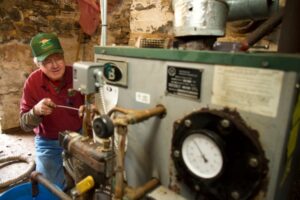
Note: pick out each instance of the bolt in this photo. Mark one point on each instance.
(265, 64)
(187, 123)
(225, 123)
(197, 187)
(235, 194)
(176, 153)
(253, 162)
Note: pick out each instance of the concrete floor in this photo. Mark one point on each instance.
(15, 142)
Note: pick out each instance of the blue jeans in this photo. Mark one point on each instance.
(49, 160)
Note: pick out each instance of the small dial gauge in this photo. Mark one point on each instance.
(202, 155)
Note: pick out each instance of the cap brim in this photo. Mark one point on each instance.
(48, 53)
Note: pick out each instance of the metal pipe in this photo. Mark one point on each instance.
(38, 177)
(103, 4)
(289, 41)
(159, 110)
(86, 122)
(122, 131)
(249, 9)
(136, 193)
(263, 30)
(199, 17)
(67, 107)
(133, 117)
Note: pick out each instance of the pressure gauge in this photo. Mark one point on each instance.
(218, 156)
(202, 155)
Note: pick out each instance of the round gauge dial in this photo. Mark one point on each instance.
(202, 155)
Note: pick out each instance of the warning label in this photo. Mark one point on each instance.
(184, 82)
(249, 89)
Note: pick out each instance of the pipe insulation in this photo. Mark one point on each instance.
(30, 168)
(209, 17)
(249, 9)
(199, 17)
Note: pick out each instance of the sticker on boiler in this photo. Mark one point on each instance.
(249, 89)
(142, 97)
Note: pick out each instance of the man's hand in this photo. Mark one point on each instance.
(44, 107)
(92, 108)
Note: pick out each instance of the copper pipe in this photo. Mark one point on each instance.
(86, 122)
(134, 117)
(118, 109)
(146, 114)
(136, 193)
(131, 117)
(122, 131)
(38, 177)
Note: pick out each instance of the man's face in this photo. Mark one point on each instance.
(53, 66)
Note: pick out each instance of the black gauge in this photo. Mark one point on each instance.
(217, 155)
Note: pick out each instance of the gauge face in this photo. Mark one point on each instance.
(202, 155)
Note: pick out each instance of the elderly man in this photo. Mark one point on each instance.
(44, 89)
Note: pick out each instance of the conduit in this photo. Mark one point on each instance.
(30, 168)
(103, 4)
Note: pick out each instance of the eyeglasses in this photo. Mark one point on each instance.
(55, 58)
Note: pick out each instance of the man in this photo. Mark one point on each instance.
(45, 89)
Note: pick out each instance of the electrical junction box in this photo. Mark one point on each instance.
(228, 130)
(84, 76)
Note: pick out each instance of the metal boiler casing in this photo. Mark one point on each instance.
(261, 88)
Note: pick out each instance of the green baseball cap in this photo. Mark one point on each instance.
(45, 44)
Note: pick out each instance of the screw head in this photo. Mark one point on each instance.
(188, 123)
(197, 187)
(253, 162)
(265, 64)
(176, 153)
(225, 123)
(235, 195)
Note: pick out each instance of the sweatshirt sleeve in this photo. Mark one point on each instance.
(28, 120)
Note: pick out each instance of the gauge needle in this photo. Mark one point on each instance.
(202, 154)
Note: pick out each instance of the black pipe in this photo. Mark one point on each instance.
(263, 30)
(289, 41)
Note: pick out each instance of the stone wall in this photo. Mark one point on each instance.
(19, 21)
(151, 19)
(22, 19)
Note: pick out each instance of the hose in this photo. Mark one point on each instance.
(20, 158)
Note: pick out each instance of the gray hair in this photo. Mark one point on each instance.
(35, 60)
